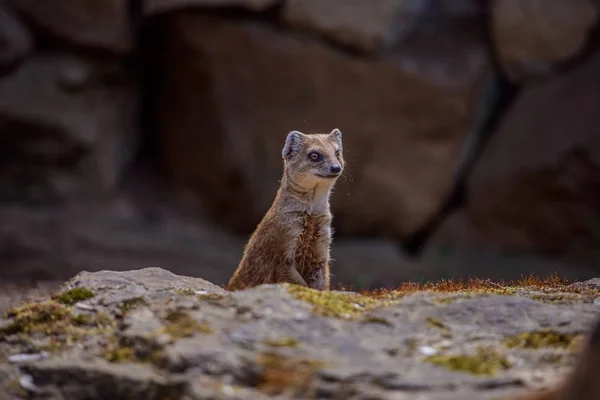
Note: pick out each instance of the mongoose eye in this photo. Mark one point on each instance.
(314, 156)
(337, 153)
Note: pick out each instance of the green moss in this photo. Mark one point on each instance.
(81, 319)
(486, 362)
(541, 338)
(335, 304)
(181, 324)
(36, 317)
(74, 295)
(104, 321)
(370, 319)
(120, 353)
(557, 298)
(436, 323)
(445, 300)
(130, 304)
(283, 342)
(123, 350)
(186, 291)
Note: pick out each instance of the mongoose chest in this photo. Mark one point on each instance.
(312, 245)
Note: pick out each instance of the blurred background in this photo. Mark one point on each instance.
(148, 133)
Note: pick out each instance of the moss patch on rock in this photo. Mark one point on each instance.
(52, 326)
(558, 298)
(130, 304)
(117, 353)
(336, 304)
(47, 317)
(485, 362)
(74, 295)
(436, 323)
(371, 319)
(541, 338)
(180, 324)
(186, 292)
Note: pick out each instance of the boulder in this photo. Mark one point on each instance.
(66, 129)
(535, 188)
(153, 7)
(151, 334)
(365, 26)
(370, 26)
(90, 24)
(15, 40)
(231, 91)
(533, 37)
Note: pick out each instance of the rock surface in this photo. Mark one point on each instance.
(551, 175)
(392, 184)
(365, 26)
(15, 40)
(83, 23)
(153, 334)
(152, 7)
(63, 132)
(372, 27)
(534, 36)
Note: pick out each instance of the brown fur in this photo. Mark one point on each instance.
(291, 244)
(583, 383)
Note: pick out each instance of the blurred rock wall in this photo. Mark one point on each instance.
(148, 133)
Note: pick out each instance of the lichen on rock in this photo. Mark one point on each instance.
(485, 361)
(336, 304)
(542, 338)
(74, 295)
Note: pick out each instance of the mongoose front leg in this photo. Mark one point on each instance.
(320, 279)
(293, 276)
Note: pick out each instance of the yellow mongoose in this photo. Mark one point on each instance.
(583, 383)
(291, 243)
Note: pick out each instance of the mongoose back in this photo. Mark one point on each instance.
(583, 382)
(291, 243)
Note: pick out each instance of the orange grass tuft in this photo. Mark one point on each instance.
(550, 284)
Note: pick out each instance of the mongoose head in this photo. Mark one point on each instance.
(315, 159)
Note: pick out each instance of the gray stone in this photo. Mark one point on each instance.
(363, 25)
(66, 133)
(15, 40)
(534, 36)
(86, 23)
(265, 343)
(153, 7)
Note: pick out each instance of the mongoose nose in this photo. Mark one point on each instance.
(335, 169)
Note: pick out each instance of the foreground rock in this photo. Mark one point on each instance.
(154, 335)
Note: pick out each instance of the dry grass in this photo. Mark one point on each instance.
(550, 284)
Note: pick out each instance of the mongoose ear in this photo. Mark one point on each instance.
(337, 135)
(293, 144)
